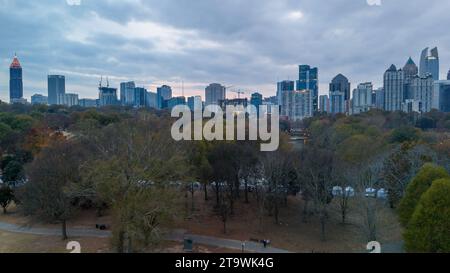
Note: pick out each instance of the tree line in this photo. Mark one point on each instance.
(56, 161)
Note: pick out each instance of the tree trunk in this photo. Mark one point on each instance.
(246, 192)
(305, 212)
(224, 226)
(217, 194)
(4, 210)
(323, 223)
(205, 187)
(277, 220)
(120, 248)
(193, 195)
(64, 230)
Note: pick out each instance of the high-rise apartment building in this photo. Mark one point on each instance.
(127, 93)
(441, 96)
(164, 93)
(324, 104)
(362, 98)
(309, 80)
(422, 92)
(215, 93)
(56, 87)
(394, 87)
(341, 84)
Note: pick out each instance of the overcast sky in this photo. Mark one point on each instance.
(250, 44)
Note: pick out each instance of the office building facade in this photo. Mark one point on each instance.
(215, 93)
(362, 98)
(309, 80)
(441, 96)
(127, 93)
(15, 81)
(429, 63)
(394, 85)
(56, 85)
(37, 99)
(164, 94)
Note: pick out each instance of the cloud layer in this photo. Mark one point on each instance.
(250, 44)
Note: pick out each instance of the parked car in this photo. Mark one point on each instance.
(371, 193)
(382, 194)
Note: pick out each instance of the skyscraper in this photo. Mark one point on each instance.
(284, 98)
(340, 84)
(127, 93)
(175, 101)
(140, 96)
(256, 100)
(448, 76)
(56, 88)
(68, 100)
(394, 87)
(411, 70)
(422, 92)
(15, 81)
(337, 102)
(164, 94)
(107, 95)
(362, 98)
(195, 103)
(39, 99)
(324, 104)
(308, 80)
(429, 63)
(296, 105)
(215, 93)
(379, 98)
(151, 100)
(441, 96)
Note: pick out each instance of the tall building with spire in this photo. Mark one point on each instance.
(15, 81)
(411, 71)
(429, 63)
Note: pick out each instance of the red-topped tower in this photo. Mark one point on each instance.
(15, 81)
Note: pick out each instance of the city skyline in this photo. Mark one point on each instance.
(252, 53)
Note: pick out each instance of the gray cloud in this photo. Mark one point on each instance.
(250, 44)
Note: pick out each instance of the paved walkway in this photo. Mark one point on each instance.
(178, 236)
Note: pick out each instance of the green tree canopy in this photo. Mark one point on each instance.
(418, 186)
(429, 229)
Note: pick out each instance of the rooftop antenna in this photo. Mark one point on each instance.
(101, 81)
(107, 82)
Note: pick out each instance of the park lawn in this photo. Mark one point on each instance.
(292, 233)
(26, 243)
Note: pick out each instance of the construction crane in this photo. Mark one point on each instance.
(237, 91)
